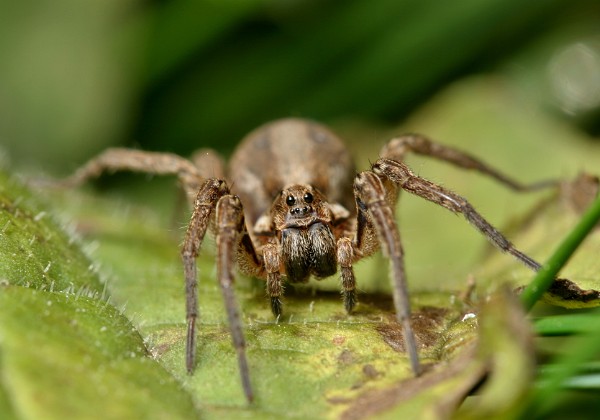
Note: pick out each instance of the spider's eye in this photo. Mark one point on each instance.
(308, 198)
(290, 200)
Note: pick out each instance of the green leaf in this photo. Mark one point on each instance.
(65, 351)
(69, 356)
(567, 369)
(316, 361)
(34, 251)
(324, 357)
(566, 324)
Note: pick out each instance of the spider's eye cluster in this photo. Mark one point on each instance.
(290, 200)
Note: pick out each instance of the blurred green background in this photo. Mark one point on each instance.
(79, 75)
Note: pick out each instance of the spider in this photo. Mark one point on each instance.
(292, 207)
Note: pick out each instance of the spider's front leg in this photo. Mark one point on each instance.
(401, 175)
(376, 218)
(274, 282)
(214, 197)
(345, 257)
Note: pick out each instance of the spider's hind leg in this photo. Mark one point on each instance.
(397, 149)
(120, 159)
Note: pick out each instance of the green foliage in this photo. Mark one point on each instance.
(544, 279)
(332, 364)
(63, 345)
(32, 243)
(100, 332)
(66, 355)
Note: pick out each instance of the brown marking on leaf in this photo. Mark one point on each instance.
(370, 372)
(502, 319)
(426, 325)
(567, 290)
(338, 340)
(346, 357)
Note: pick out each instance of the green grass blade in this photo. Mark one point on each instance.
(569, 370)
(560, 325)
(544, 278)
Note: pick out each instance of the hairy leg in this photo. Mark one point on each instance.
(402, 176)
(208, 195)
(345, 257)
(396, 149)
(274, 281)
(117, 159)
(371, 196)
(229, 228)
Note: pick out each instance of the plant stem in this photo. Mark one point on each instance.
(544, 278)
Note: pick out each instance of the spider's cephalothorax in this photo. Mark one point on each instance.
(292, 206)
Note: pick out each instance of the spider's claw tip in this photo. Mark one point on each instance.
(190, 366)
(250, 398)
(349, 300)
(276, 306)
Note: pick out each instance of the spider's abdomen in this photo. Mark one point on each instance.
(308, 251)
(289, 152)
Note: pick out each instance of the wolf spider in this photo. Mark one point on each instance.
(292, 206)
